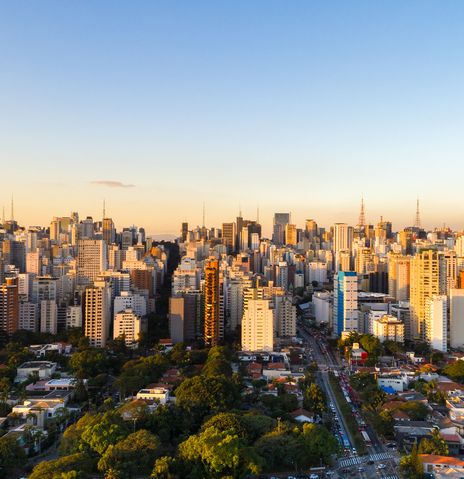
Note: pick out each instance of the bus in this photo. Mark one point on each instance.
(366, 438)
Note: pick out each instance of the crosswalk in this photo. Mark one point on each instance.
(381, 456)
(350, 461)
(353, 461)
(391, 476)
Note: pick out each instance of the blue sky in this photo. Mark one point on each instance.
(296, 106)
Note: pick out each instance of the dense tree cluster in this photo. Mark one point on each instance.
(211, 431)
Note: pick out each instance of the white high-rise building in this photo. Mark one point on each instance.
(91, 260)
(436, 323)
(130, 300)
(33, 262)
(48, 316)
(258, 326)
(456, 332)
(73, 317)
(342, 240)
(28, 316)
(97, 314)
(128, 324)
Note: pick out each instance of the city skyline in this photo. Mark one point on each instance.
(300, 107)
(265, 218)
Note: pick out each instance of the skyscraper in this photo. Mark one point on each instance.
(345, 310)
(108, 231)
(258, 326)
(290, 234)
(229, 236)
(436, 324)
(427, 279)
(91, 260)
(9, 306)
(211, 327)
(97, 313)
(278, 232)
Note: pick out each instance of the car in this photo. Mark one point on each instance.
(314, 476)
(360, 469)
(381, 466)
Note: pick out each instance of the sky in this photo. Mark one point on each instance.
(302, 106)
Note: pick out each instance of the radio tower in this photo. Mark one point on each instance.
(417, 222)
(362, 214)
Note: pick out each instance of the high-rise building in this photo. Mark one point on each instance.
(211, 331)
(91, 260)
(97, 313)
(345, 310)
(127, 324)
(258, 326)
(290, 234)
(48, 316)
(184, 232)
(108, 231)
(28, 316)
(184, 316)
(399, 276)
(456, 329)
(74, 317)
(388, 328)
(436, 323)
(129, 300)
(342, 241)
(229, 236)
(427, 280)
(278, 232)
(9, 306)
(286, 318)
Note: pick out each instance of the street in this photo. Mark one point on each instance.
(379, 461)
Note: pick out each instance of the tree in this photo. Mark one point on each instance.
(281, 449)
(229, 422)
(257, 425)
(89, 363)
(314, 399)
(411, 465)
(11, 454)
(455, 370)
(108, 430)
(202, 395)
(416, 410)
(435, 445)
(164, 468)
(133, 455)
(220, 452)
(318, 444)
(75, 466)
(217, 367)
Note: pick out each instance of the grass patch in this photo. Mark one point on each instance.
(350, 420)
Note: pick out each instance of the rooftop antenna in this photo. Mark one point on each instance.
(362, 214)
(203, 213)
(417, 222)
(239, 210)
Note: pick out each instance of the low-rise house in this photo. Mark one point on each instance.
(397, 382)
(40, 350)
(160, 395)
(408, 433)
(434, 464)
(302, 415)
(40, 369)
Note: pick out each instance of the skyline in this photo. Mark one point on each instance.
(302, 108)
(266, 224)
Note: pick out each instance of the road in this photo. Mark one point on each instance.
(349, 464)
